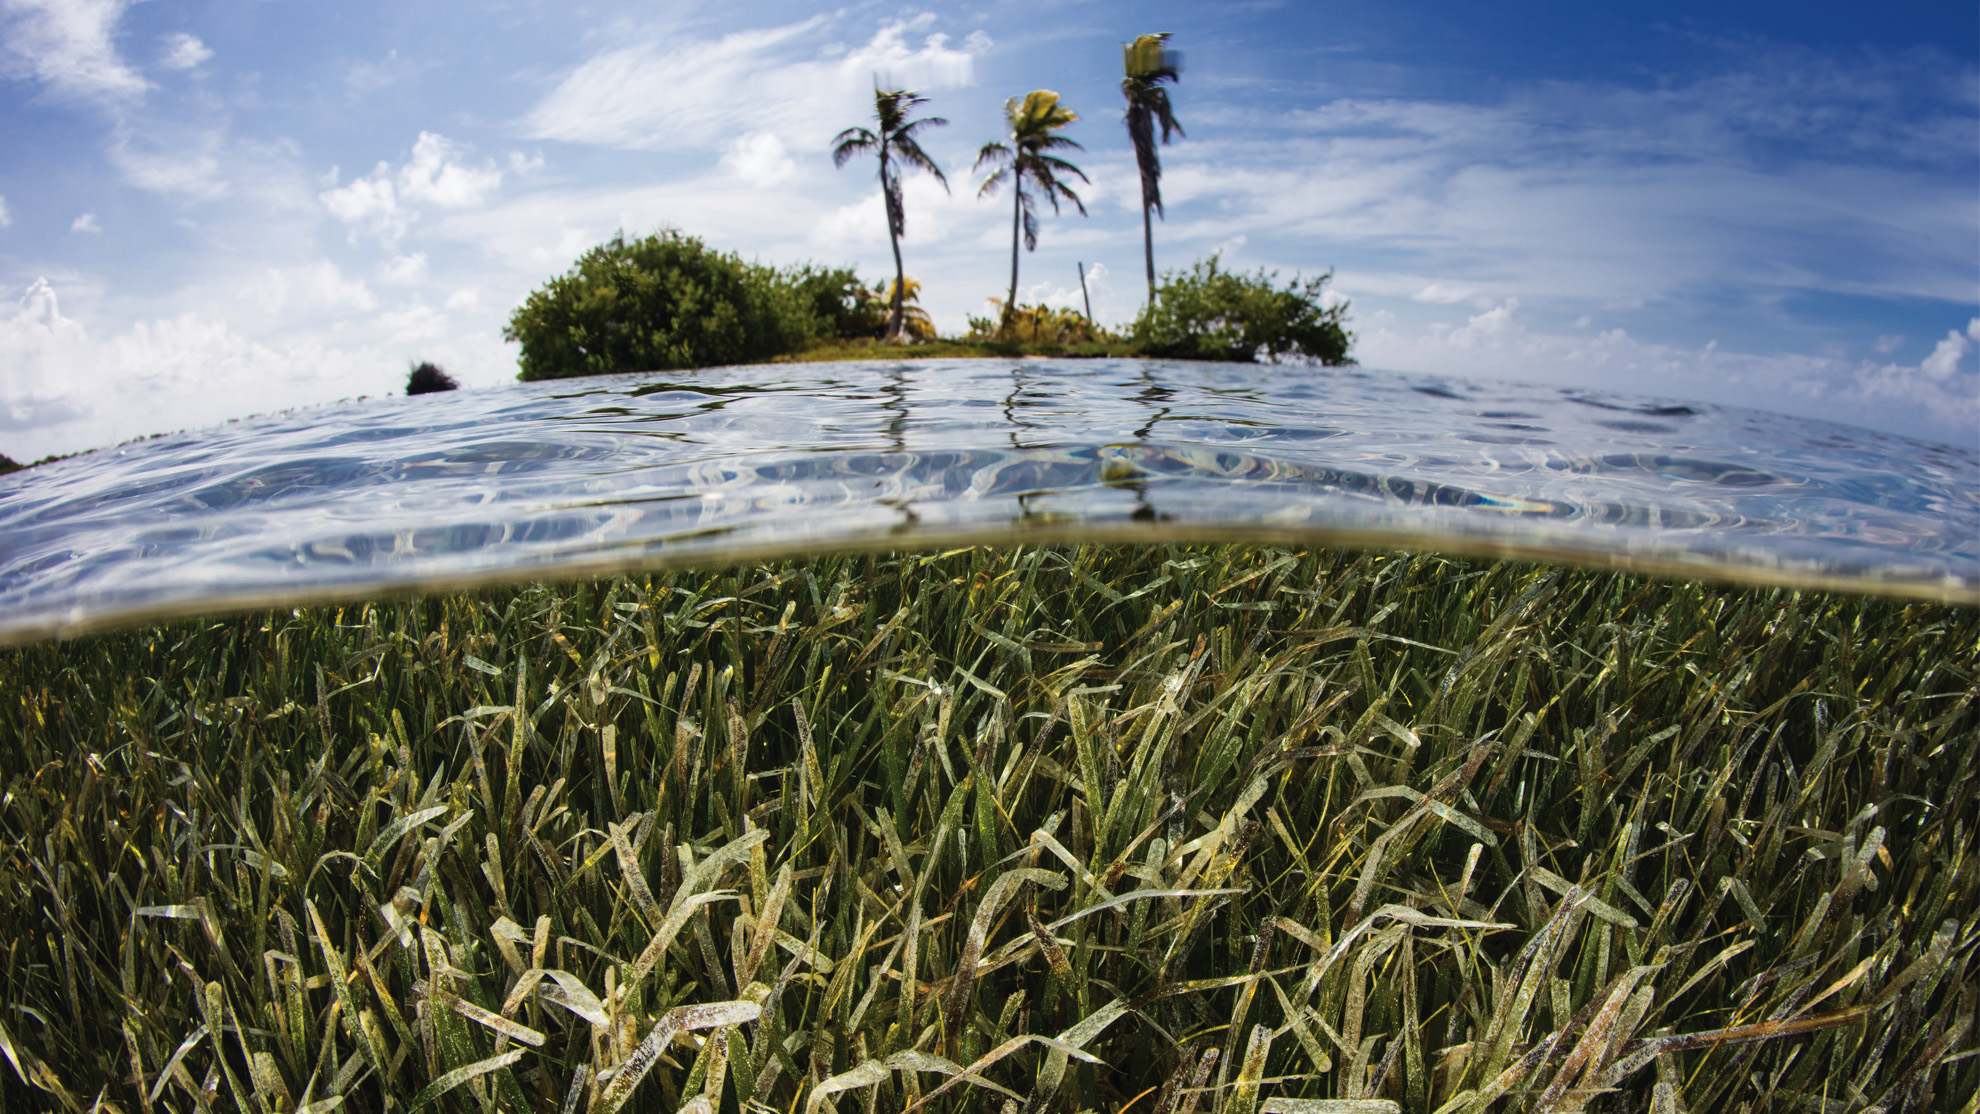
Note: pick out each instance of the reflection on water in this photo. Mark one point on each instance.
(643, 470)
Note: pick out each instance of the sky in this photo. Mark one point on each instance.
(217, 208)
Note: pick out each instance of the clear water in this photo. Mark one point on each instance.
(638, 471)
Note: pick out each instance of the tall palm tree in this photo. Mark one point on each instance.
(1025, 158)
(1149, 62)
(896, 145)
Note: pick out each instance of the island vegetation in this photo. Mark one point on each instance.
(668, 301)
(898, 150)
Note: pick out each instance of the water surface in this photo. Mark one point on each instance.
(582, 477)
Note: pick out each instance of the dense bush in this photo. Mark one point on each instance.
(1213, 314)
(843, 306)
(668, 301)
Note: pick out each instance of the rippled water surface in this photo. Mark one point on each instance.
(597, 475)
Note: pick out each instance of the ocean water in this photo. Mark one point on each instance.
(594, 476)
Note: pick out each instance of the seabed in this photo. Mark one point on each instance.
(1162, 829)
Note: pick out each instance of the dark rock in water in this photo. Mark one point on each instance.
(427, 378)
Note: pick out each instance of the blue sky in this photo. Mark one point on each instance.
(222, 207)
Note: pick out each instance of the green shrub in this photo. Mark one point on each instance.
(1039, 324)
(1213, 314)
(846, 308)
(667, 301)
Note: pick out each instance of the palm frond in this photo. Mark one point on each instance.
(1058, 164)
(852, 141)
(910, 152)
(1055, 189)
(1158, 102)
(913, 126)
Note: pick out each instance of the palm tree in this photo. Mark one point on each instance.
(1149, 62)
(1034, 122)
(915, 321)
(896, 145)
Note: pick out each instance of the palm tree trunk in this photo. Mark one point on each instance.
(900, 282)
(893, 332)
(1017, 222)
(1148, 249)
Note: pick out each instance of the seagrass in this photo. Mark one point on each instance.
(1234, 830)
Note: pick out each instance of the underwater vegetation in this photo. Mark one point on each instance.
(1167, 829)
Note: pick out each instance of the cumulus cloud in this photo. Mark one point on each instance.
(404, 269)
(382, 203)
(1922, 400)
(676, 93)
(181, 51)
(66, 389)
(432, 175)
(67, 47)
(68, 384)
(759, 158)
(413, 323)
(1945, 358)
(307, 291)
(85, 223)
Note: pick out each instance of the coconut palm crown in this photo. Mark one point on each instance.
(1149, 62)
(1025, 161)
(896, 145)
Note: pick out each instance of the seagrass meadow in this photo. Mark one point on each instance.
(1170, 830)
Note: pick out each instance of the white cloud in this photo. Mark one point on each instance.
(1443, 293)
(1918, 400)
(674, 93)
(307, 291)
(414, 322)
(364, 78)
(433, 175)
(6, 218)
(760, 159)
(66, 45)
(1506, 200)
(1945, 358)
(465, 298)
(66, 389)
(69, 383)
(183, 52)
(170, 160)
(1888, 343)
(370, 202)
(85, 223)
(404, 269)
(380, 203)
